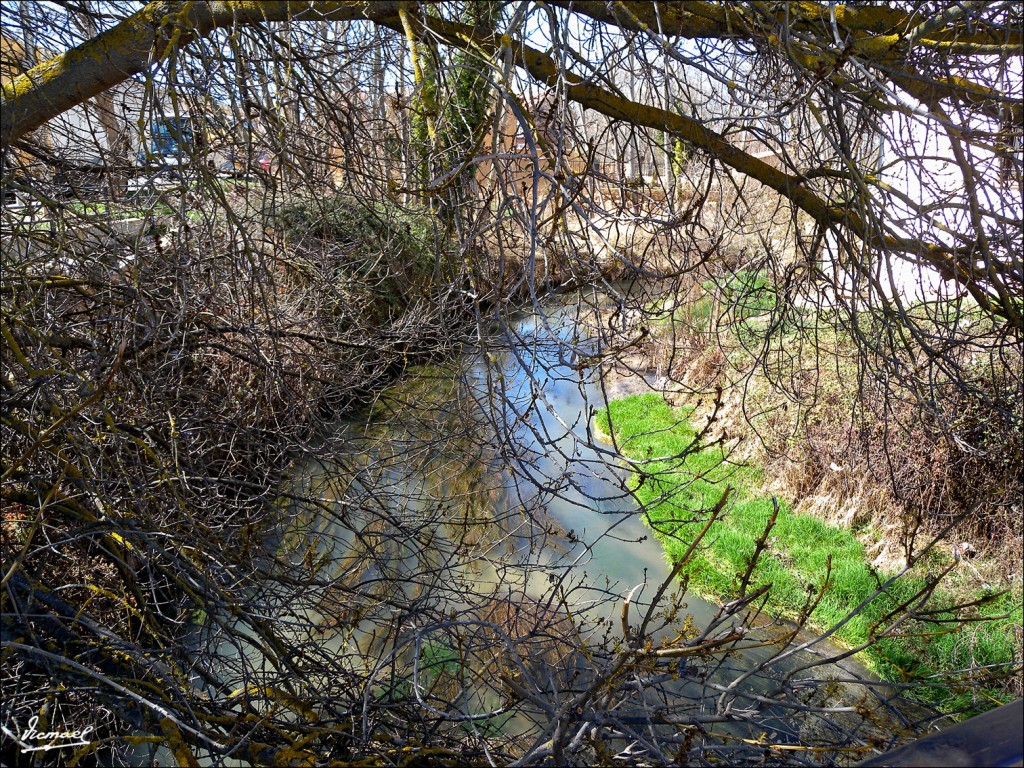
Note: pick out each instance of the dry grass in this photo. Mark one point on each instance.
(876, 462)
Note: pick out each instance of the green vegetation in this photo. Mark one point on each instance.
(117, 210)
(742, 303)
(805, 559)
(749, 291)
(437, 659)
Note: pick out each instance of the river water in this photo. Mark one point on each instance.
(507, 432)
(467, 532)
(478, 491)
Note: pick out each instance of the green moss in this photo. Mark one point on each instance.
(682, 481)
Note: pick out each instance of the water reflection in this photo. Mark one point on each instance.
(468, 523)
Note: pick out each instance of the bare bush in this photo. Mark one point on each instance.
(293, 386)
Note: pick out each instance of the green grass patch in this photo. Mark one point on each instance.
(118, 211)
(679, 484)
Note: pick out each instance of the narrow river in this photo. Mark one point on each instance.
(503, 443)
(507, 433)
(468, 523)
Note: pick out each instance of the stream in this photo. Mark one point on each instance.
(468, 520)
(556, 494)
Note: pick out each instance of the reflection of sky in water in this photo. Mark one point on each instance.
(548, 409)
(538, 407)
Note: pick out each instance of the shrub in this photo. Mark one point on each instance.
(385, 249)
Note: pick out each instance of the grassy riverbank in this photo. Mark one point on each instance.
(813, 568)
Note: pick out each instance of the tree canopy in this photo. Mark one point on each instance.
(953, 71)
